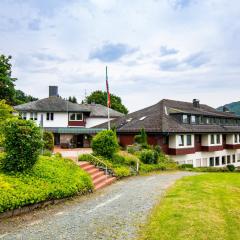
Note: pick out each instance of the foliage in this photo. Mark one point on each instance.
(47, 153)
(158, 149)
(231, 167)
(118, 159)
(5, 114)
(105, 143)
(20, 97)
(50, 178)
(7, 90)
(133, 148)
(100, 97)
(72, 99)
(48, 140)
(129, 159)
(149, 156)
(141, 138)
(122, 171)
(184, 166)
(22, 144)
(208, 202)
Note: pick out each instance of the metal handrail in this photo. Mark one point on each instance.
(106, 169)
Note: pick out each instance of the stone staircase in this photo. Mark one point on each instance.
(100, 179)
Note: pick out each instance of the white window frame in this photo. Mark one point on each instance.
(50, 116)
(75, 118)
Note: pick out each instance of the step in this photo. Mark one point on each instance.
(83, 164)
(93, 171)
(88, 167)
(105, 183)
(97, 174)
(100, 179)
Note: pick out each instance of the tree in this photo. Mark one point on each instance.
(5, 114)
(100, 97)
(105, 143)
(72, 99)
(22, 145)
(21, 97)
(141, 138)
(7, 90)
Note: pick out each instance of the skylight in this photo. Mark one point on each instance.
(129, 120)
(142, 118)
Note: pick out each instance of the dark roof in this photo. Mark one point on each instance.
(57, 104)
(160, 118)
(75, 130)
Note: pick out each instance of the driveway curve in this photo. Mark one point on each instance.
(115, 212)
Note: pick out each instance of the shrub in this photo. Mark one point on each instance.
(133, 148)
(105, 143)
(22, 145)
(47, 153)
(158, 149)
(122, 171)
(148, 156)
(48, 140)
(118, 159)
(58, 155)
(141, 138)
(86, 157)
(231, 167)
(186, 166)
(129, 159)
(50, 178)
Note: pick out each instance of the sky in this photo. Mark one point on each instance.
(154, 49)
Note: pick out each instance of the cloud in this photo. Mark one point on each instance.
(164, 51)
(34, 25)
(111, 52)
(180, 3)
(196, 60)
(47, 57)
(169, 65)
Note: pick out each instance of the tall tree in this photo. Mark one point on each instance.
(100, 97)
(72, 99)
(7, 90)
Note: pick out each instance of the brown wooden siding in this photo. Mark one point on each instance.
(232, 146)
(212, 148)
(180, 151)
(76, 123)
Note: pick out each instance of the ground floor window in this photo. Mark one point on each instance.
(233, 158)
(211, 161)
(228, 159)
(223, 160)
(238, 158)
(217, 161)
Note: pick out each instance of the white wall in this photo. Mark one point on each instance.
(206, 140)
(91, 122)
(195, 157)
(173, 141)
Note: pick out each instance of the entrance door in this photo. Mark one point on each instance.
(79, 140)
(56, 139)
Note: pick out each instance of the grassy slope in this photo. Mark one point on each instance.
(200, 207)
(51, 178)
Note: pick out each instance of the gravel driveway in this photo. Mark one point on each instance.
(115, 212)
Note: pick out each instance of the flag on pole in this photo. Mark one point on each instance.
(108, 93)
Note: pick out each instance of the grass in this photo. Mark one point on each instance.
(205, 206)
(50, 178)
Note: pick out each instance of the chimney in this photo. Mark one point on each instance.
(196, 103)
(53, 91)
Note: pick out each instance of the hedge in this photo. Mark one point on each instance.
(50, 178)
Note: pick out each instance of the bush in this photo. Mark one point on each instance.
(22, 145)
(158, 149)
(105, 143)
(58, 155)
(148, 156)
(118, 159)
(231, 167)
(122, 171)
(47, 153)
(129, 159)
(183, 166)
(50, 178)
(48, 139)
(141, 138)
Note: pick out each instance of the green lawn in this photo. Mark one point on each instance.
(206, 206)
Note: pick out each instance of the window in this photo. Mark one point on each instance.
(180, 140)
(218, 138)
(223, 160)
(207, 121)
(33, 116)
(24, 115)
(238, 157)
(235, 138)
(189, 140)
(212, 139)
(75, 117)
(165, 139)
(228, 159)
(211, 161)
(185, 118)
(50, 116)
(233, 158)
(193, 119)
(217, 161)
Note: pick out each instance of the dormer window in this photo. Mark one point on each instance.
(185, 118)
(193, 119)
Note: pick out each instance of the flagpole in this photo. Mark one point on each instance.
(109, 127)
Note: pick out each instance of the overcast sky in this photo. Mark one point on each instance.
(154, 49)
